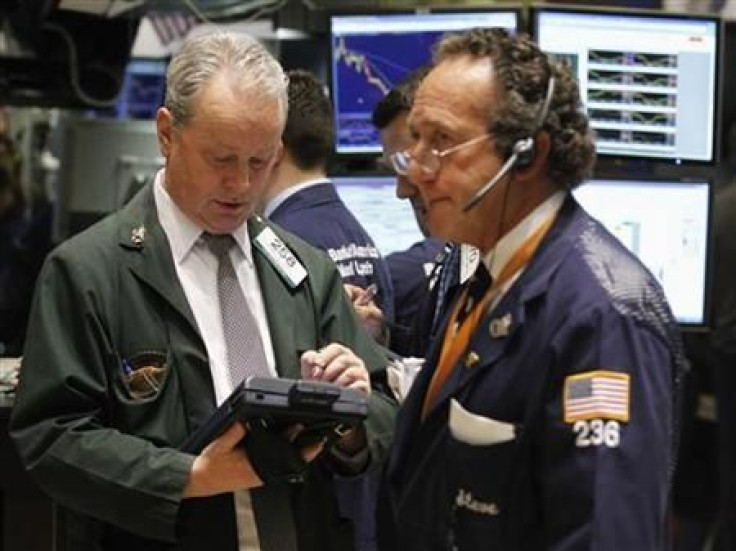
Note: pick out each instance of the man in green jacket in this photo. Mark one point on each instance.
(129, 352)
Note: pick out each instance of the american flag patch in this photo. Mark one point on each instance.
(596, 395)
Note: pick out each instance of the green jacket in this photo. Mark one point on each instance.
(111, 460)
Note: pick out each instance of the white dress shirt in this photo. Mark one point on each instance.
(196, 267)
(497, 257)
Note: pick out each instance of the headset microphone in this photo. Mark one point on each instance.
(521, 149)
(522, 153)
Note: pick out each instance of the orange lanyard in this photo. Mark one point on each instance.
(457, 336)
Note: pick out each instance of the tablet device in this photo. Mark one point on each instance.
(325, 410)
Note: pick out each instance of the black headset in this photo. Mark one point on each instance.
(522, 152)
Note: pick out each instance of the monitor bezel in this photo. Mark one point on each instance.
(705, 323)
(355, 156)
(533, 27)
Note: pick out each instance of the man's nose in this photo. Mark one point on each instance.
(239, 176)
(418, 176)
(404, 188)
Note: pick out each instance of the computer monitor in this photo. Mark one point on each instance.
(144, 88)
(648, 81)
(371, 53)
(387, 219)
(142, 91)
(666, 224)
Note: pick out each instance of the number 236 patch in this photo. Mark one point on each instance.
(595, 404)
(597, 432)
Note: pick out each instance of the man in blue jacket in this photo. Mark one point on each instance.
(301, 199)
(415, 270)
(544, 417)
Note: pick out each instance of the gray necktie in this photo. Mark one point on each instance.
(246, 357)
(245, 352)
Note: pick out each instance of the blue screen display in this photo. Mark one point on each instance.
(370, 54)
(141, 93)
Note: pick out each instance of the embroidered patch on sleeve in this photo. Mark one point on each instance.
(596, 395)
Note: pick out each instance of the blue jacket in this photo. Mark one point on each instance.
(509, 472)
(410, 279)
(418, 294)
(319, 216)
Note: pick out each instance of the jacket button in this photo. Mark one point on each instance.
(472, 359)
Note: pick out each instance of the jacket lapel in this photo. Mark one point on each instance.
(148, 255)
(484, 348)
(496, 329)
(278, 298)
(410, 428)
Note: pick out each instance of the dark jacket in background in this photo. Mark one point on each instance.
(723, 345)
(318, 215)
(411, 272)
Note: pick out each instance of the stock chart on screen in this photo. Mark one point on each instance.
(372, 53)
(649, 83)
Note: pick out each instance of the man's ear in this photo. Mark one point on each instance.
(280, 152)
(538, 167)
(164, 130)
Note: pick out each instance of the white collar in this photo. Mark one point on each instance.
(275, 202)
(182, 232)
(497, 257)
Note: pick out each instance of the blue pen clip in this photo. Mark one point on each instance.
(127, 368)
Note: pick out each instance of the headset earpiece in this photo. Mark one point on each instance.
(523, 149)
(522, 152)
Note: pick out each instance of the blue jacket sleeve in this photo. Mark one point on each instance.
(605, 479)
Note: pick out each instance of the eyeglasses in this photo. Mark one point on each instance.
(430, 160)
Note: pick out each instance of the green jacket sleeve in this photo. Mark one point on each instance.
(61, 421)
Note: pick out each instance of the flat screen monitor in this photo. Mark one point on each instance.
(144, 88)
(142, 91)
(387, 219)
(370, 54)
(648, 81)
(665, 224)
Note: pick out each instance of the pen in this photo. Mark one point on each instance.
(368, 294)
(127, 368)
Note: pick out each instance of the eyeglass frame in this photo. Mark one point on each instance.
(395, 159)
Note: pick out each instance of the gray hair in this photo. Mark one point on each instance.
(205, 56)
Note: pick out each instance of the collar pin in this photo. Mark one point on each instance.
(500, 327)
(138, 236)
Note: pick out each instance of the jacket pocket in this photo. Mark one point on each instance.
(477, 430)
(143, 375)
(481, 456)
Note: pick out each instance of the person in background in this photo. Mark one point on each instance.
(25, 240)
(15, 286)
(545, 414)
(300, 198)
(144, 323)
(414, 271)
(705, 482)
